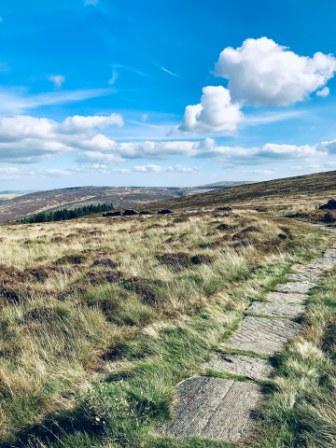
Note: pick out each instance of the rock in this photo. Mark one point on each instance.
(330, 205)
(145, 212)
(115, 213)
(130, 212)
(164, 211)
(223, 209)
(328, 218)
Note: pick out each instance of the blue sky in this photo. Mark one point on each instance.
(165, 92)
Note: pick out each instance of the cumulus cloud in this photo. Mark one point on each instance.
(57, 80)
(207, 147)
(210, 148)
(215, 112)
(25, 138)
(260, 73)
(264, 73)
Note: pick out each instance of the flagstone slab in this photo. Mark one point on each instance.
(277, 309)
(251, 367)
(262, 335)
(286, 298)
(297, 287)
(302, 276)
(213, 408)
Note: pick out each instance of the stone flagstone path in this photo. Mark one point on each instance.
(224, 409)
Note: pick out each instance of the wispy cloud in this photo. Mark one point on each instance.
(17, 101)
(113, 78)
(169, 72)
(272, 117)
(130, 69)
(57, 80)
(164, 69)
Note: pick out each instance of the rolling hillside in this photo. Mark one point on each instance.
(289, 193)
(16, 206)
(21, 206)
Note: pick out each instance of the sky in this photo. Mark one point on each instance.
(165, 92)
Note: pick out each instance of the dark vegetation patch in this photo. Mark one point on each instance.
(12, 287)
(38, 274)
(45, 314)
(328, 343)
(245, 234)
(181, 219)
(223, 209)
(181, 260)
(176, 261)
(138, 348)
(105, 261)
(223, 227)
(99, 277)
(151, 292)
(74, 259)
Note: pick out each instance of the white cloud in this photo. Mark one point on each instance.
(209, 148)
(25, 138)
(82, 123)
(323, 92)
(111, 151)
(152, 168)
(262, 72)
(57, 80)
(216, 112)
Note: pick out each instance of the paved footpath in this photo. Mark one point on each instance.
(224, 409)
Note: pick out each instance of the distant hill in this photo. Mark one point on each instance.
(21, 206)
(14, 205)
(273, 194)
(225, 183)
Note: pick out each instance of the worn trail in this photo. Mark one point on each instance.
(225, 409)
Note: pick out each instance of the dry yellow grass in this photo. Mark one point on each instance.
(73, 294)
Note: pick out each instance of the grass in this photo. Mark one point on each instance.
(97, 324)
(302, 411)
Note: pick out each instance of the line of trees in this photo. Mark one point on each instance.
(65, 214)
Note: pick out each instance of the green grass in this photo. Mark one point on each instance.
(302, 413)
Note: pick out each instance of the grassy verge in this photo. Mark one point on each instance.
(123, 408)
(302, 413)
